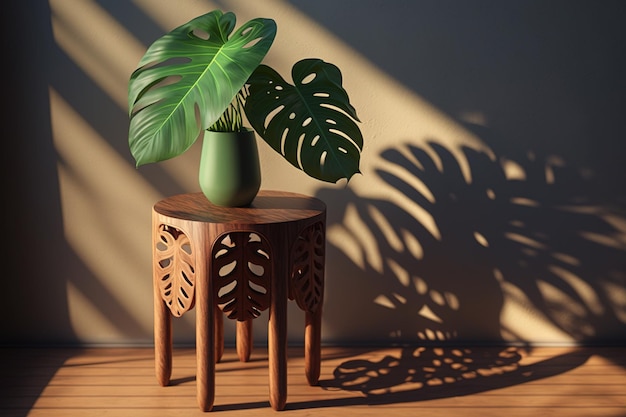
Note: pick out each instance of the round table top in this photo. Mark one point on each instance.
(268, 207)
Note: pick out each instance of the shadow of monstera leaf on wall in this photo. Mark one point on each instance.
(471, 241)
(428, 276)
(460, 247)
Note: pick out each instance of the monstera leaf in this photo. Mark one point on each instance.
(198, 67)
(311, 123)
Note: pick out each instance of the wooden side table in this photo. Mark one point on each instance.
(238, 262)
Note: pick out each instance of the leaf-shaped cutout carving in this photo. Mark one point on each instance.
(176, 270)
(241, 270)
(307, 276)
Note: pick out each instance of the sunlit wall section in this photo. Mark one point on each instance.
(441, 238)
(104, 212)
(105, 204)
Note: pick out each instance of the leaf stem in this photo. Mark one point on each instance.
(231, 120)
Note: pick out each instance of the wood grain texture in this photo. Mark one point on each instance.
(244, 340)
(219, 334)
(240, 261)
(393, 381)
(268, 207)
(277, 329)
(312, 343)
(162, 322)
(205, 321)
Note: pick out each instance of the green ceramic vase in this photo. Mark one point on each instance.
(230, 173)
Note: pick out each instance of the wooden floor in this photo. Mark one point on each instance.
(425, 382)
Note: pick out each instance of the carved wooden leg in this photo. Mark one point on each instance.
(312, 343)
(171, 260)
(277, 337)
(244, 340)
(307, 288)
(162, 321)
(219, 334)
(162, 340)
(205, 342)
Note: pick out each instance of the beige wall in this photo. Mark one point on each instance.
(491, 205)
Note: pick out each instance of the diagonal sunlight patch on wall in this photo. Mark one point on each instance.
(388, 110)
(98, 44)
(527, 324)
(85, 317)
(170, 14)
(106, 218)
(617, 296)
(108, 53)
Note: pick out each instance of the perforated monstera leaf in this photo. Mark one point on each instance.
(311, 123)
(197, 67)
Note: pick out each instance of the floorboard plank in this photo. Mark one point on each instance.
(354, 381)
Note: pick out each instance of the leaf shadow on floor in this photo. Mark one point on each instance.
(428, 373)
